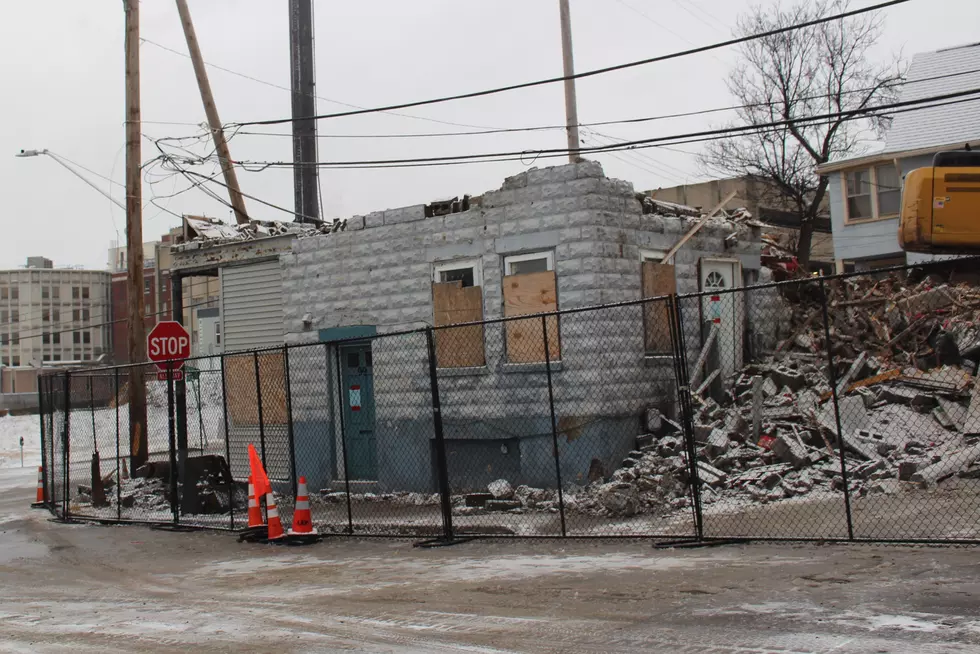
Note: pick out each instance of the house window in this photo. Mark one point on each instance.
(56, 338)
(76, 338)
(146, 286)
(75, 292)
(5, 339)
(872, 193)
(468, 273)
(45, 315)
(45, 292)
(56, 292)
(15, 361)
(4, 317)
(217, 333)
(657, 279)
(86, 337)
(57, 357)
(46, 338)
(56, 315)
(46, 358)
(4, 293)
(76, 314)
(525, 264)
(86, 316)
(15, 338)
(457, 297)
(85, 292)
(530, 287)
(14, 315)
(15, 293)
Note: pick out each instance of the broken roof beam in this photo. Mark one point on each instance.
(668, 258)
(703, 357)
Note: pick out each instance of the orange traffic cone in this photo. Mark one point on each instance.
(302, 518)
(272, 513)
(254, 510)
(40, 485)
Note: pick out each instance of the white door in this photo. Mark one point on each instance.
(724, 310)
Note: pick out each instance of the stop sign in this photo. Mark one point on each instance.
(168, 340)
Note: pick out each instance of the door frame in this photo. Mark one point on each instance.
(738, 309)
(341, 423)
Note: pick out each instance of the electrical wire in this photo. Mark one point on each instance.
(863, 112)
(627, 121)
(589, 73)
(286, 88)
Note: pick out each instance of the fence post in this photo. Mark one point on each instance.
(442, 465)
(91, 408)
(554, 424)
(832, 376)
(66, 450)
(289, 421)
(172, 443)
(44, 467)
(258, 399)
(231, 481)
(118, 453)
(343, 432)
(687, 412)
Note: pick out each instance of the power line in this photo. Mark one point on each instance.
(590, 73)
(713, 134)
(286, 88)
(624, 121)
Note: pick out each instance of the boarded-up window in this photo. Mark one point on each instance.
(658, 280)
(525, 294)
(242, 394)
(453, 303)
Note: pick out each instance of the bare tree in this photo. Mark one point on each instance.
(824, 69)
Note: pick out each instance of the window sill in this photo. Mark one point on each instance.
(462, 372)
(863, 221)
(530, 367)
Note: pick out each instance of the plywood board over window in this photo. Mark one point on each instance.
(526, 294)
(458, 347)
(242, 394)
(658, 280)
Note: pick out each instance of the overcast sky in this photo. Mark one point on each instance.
(63, 86)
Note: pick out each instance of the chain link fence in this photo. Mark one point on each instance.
(838, 408)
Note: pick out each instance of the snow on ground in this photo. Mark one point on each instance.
(12, 429)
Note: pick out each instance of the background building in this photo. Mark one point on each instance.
(865, 192)
(50, 317)
(200, 293)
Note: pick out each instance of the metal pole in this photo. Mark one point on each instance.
(189, 498)
(554, 423)
(91, 406)
(289, 417)
(211, 111)
(44, 465)
(571, 105)
(136, 308)
(118, 453)
(687, 412)
(66, 447)
(303, 86)
(442, 466)
(173, 443)
(200, 412)
(258, 398)
(231, 482)
(832, 376)
(343, 433)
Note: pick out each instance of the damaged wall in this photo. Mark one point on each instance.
(379, 274)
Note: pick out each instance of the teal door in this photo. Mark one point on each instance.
(357, 396)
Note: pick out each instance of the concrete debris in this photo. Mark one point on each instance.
(501, 489)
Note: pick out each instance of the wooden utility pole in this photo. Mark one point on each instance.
(211, 110)
(304, 107)
(571, 105)
(139, 449)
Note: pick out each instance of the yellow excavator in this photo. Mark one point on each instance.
(941, 205)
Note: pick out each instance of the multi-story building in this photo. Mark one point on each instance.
(200, 294)
(53, 316)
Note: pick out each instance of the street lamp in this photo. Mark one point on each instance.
(37, 153)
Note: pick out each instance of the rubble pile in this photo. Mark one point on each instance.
(400, 498)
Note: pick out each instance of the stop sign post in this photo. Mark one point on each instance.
(168, 344)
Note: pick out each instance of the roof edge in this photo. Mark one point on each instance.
(888, 155)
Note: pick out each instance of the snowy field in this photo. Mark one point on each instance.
(12, 429)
